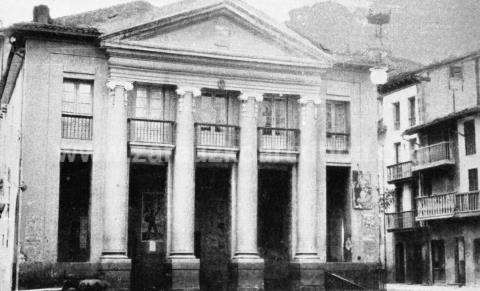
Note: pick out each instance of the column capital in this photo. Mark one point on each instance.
(182, 90)
(316, 99)
(245, 95)
(112, 84)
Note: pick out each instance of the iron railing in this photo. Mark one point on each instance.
(400, 220)
(447, 205)
(77, 126)
(336, 282)
(217, 135)
(338, 142)
(433, 153)
(278, 139)
(399, 171)
(151, 131)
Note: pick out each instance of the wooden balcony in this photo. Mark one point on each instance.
(151, 140)
(401, 221)
(278, 144)
(338, 142)
(216, 142)
(435, 155)
(399, 172)
(448, 205)
(77, 127)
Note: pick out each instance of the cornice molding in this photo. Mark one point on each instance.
(112, 84)
(184, 89)
(245, 95)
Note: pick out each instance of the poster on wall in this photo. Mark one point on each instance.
(362, 190)
(152, 225)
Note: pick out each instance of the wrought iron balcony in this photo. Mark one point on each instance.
(217, 135)
(448, 205)
(404, 220)
(278, 139)
(338, 142)
(434, 155)
(77, 126)
(148, 131)
(399, 172)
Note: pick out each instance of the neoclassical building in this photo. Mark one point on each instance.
(195, 145)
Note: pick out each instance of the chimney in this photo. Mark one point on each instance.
(41, 14)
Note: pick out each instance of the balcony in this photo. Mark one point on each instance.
(338, 142)
(150, 138)
(278, 144)
(448, 205)
(401, 221)
(217, 142)
(77, 127)
(399, 172)
(435, 155)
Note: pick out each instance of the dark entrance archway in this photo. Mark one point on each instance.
(212, 226)
(274, 216)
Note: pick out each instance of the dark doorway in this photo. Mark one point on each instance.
(212, 226)
(438, 261)
(74, 207)
(147, 226)
(476, 259)
(399, 263)
(338, 230)
(274, 226)
(414, 266)
(460, 261)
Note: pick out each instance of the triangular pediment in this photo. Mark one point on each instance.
(223, 31)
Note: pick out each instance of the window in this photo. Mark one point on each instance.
(456, 72)
(396, 115)
(337, 117)
(412, 144)
(473, 180)
(274, 112)
(411, 111)
(396, 147)
(469, 132)
(154, 102)
(77, 97)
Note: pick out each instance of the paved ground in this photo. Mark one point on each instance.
(408, 287)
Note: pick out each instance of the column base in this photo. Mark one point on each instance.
(246, 273)
(184, 272)
(116, 270)
(307, 273)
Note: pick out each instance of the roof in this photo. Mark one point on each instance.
(447, 118)
(55, 29)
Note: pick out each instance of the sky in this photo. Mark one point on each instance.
(12, 11)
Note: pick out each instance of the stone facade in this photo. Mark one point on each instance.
(219, 48)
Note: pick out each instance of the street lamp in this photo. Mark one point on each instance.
(378, 74)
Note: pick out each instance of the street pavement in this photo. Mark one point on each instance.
(409, 287)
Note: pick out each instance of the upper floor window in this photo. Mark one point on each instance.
(337, 116)
(396, 115)
(473, 180)
(278, 112)
(396, 148)
(469, 132)
(77, 97)
(411, 111)
(154, 102)
(213, 108)
(456, 72)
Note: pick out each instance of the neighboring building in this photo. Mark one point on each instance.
(431, 152)
(196, 144)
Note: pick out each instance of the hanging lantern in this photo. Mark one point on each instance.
(378, 75)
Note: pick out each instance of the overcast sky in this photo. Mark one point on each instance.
(12, 11)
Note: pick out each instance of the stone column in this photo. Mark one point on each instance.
(185, 266)
(248, 266)
(114, 258)
(306, 263)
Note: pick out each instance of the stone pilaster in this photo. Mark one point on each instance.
(307, 263)
(185, 266)
(115, 263)
(247, 264)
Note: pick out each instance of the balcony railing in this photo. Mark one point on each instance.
(77, 126)
(151, 131)
(278, 139)
(400, 220)
(448, 205)
(337, 142)
(433, 155)
(217, 135)
(399, 171)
